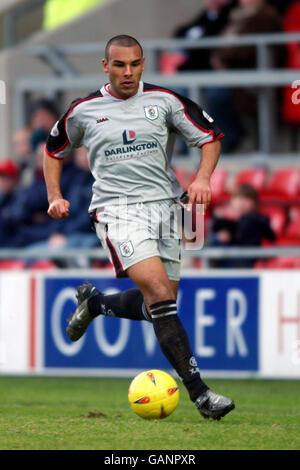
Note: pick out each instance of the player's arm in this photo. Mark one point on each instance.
(58, 206)
(199, 190)
(198, 129)
(59, 144)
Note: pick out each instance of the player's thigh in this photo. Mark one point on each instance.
(152, 279)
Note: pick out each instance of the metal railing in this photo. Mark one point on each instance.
(206, 254)
(11, 18)
(264, 79)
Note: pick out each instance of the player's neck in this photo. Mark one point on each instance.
(111, 90)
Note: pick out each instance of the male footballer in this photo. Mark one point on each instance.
(127, 128)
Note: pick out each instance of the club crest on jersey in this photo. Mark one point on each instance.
(151, 112)
(126, 249)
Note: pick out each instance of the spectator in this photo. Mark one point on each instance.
(210, 22)
(249, 17)
(23, 155)
(28, 213)
(75, 231)
(42, 115)
(282, 5)
(240, 224)
(9, 174)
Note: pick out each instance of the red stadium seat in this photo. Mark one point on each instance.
(281, 262)
(197, 263)
(291, 236)
(170, 61)
(218, 184)
(12, 264)
(255, 177)
(294, 212)
(283, 187)
(293, 229)
(277, 216)
(291, 24)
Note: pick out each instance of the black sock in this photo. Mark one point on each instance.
(175, 345)
(128, 304)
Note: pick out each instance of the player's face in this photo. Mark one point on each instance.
(124, 67)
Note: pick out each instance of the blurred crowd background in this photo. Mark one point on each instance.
(255, 206)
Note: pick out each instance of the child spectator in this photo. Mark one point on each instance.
(240, 224)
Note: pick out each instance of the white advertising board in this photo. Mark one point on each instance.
(15, 306)
(280, 324)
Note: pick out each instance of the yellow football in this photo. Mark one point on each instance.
(153, 394)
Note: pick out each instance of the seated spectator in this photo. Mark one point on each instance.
(225, 104)
(23, 154)
(74, 231)
(210, 22)
(249, 17)
(9, 175)
(282, 5)
(240, 224)
(27, 216)
(42, 115)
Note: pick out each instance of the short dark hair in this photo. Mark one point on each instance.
(43, 103)
(247, 191)
(122, 40)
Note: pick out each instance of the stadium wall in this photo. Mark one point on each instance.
(241, 324)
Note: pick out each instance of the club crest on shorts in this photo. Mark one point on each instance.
(151, 112)
(126, 249)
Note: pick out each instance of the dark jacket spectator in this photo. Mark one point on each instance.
(250, 17)
(210, 22)
(240, 224)
(27, 216)
(9, 174)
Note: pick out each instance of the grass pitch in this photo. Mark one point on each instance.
(93, 414)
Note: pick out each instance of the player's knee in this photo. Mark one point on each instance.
(157, 291)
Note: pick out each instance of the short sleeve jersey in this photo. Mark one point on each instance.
(129, 141)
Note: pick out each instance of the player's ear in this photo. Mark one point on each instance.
(105, 65)
(143, 62)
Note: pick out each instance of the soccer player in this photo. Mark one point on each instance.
(127, 127)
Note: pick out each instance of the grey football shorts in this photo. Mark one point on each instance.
(135, 232)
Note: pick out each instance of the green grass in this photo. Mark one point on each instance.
(93, 413)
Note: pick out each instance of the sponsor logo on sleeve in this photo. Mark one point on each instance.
(54, 131)
(207, 116)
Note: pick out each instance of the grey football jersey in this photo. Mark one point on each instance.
(129, 141)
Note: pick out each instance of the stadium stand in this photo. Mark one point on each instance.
(283, 187)
(256, 177)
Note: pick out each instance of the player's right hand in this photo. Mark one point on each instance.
(59, 209)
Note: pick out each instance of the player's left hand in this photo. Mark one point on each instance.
(199, 191)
